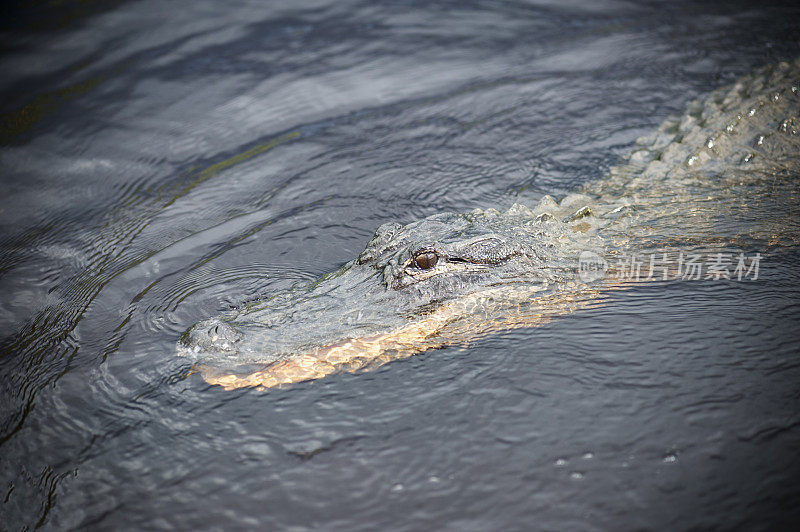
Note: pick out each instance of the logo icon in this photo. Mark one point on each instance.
(591, 266)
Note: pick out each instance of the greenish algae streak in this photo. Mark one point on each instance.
(216, 168)
(14, 123)
(213, 170)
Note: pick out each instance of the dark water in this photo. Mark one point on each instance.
(162, 162)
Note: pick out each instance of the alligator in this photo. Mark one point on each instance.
(722, 176)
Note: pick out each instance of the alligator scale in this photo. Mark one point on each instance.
(723, 176)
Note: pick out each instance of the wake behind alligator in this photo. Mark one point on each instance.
(724, 176)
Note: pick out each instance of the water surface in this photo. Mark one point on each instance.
(164, 162)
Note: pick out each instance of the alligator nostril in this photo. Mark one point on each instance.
(212, 335)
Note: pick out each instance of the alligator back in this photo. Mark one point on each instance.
(724, 176)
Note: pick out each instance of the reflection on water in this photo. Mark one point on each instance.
(163, 163)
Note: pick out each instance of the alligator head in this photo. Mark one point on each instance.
(408, 284)
(451, 277)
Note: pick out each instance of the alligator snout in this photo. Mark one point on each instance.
(212, 335)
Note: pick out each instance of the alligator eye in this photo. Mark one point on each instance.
(426, 261)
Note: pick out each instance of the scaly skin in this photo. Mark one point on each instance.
(723, 176)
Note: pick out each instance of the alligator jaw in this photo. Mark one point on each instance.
(351, 354)
(448, 325)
